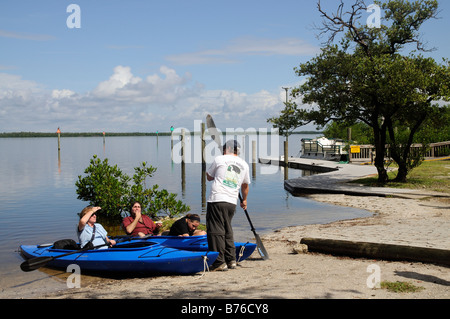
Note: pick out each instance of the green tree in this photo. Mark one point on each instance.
(360, 132)
(105, 186)
(366, 78)
(287, 122)
(108, 187)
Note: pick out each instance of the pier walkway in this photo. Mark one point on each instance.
(334, 178)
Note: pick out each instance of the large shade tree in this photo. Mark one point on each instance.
(367, 77)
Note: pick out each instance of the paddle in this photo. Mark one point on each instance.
(37, 262)
(216, 137)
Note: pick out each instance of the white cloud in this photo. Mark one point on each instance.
(62, 94)
(283, 46)
(128, 103)
(25, 36)
(246, 46)
(166, 87)
(11, 82)
(117, 82)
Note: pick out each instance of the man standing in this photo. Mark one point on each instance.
(229, 174)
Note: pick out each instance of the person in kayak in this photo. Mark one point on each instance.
(187, 226)
(138, 224)
(229, 174)
(89, 231)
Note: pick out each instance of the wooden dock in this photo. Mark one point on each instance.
(334, 178)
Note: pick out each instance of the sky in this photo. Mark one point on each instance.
(145, 65)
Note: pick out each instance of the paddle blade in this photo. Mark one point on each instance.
(215, 135)
(261, 249)
(35, 263)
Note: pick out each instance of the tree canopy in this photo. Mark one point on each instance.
(368, 78)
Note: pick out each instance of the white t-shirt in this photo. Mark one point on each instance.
(229, 173)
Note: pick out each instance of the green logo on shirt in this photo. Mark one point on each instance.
(232, 176)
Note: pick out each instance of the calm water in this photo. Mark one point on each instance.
(38, 201)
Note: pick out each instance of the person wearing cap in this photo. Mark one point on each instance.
(187, 226)
(229, 174)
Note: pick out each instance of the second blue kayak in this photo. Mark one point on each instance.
(198, 243)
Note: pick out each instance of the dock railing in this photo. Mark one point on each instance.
(367, 152)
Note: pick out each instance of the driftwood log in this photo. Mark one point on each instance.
(378, 251)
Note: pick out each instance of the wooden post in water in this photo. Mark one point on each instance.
(286, 159)
(59, 149)
(59, 138)
(183, 162)
(183, 146)
(286, 153)
(171, 138)
(286, 163)
(254, 159)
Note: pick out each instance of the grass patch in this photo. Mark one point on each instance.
(430, 175)
(400, 287)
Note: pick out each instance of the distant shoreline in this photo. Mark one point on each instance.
(92, 134)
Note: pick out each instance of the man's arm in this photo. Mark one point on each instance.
(244, 191)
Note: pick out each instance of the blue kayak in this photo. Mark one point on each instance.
(197, 243)
(140, 256)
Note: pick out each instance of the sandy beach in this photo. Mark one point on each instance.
(423, 222)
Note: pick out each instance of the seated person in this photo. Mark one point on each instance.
(91, 232)
(187, 226)
(138, 224)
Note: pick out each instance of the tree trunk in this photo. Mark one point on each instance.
(380, 149)
(401, 174)
(401, 154)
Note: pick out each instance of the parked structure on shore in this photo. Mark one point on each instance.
(324, 149)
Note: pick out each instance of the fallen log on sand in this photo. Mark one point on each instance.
(378, 251)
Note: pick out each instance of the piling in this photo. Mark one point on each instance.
(286, 153)
(183, 162)
(286, 160)
(58, 131)
(171, 138)
(183, 144)
(254, 159)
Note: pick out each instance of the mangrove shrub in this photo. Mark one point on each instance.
(107, 186)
